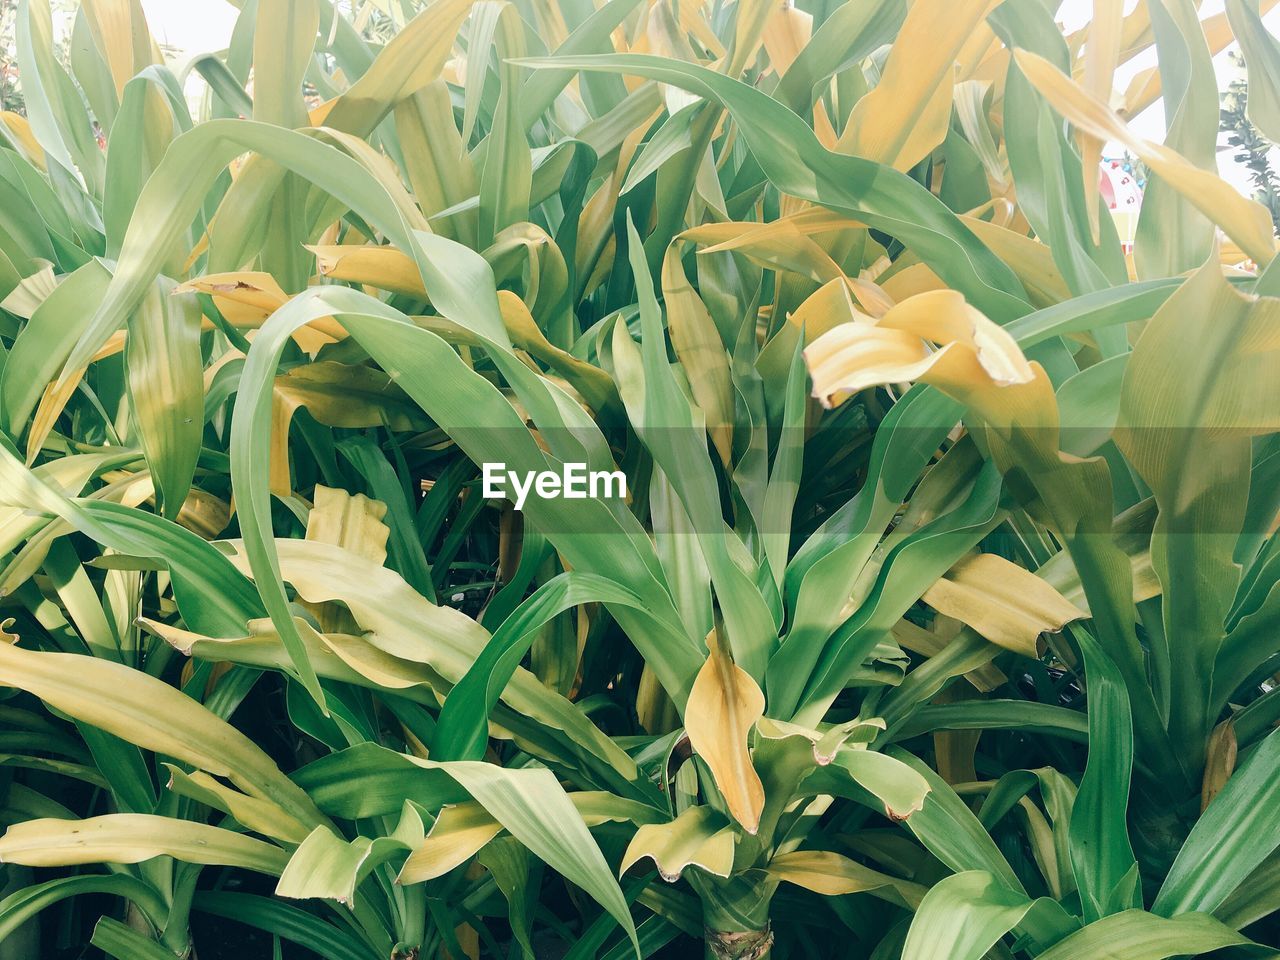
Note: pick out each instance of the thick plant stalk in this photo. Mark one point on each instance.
(735, 917)
(739, 944)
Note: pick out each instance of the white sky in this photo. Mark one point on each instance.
(191, 27)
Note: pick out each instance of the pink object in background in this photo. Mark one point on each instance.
(1123, 194)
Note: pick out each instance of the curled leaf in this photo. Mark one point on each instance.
(699, 837)
(976, 354)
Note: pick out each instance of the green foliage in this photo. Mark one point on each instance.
(939, 615)
(1252, 147)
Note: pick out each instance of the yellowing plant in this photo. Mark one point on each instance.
(937, 614)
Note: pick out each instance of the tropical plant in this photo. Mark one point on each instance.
(1253, 148)
(938, 619)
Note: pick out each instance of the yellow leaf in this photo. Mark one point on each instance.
(246, 298)
(594, 385)
(440, 171)
(593, 257)
(780, 245)
(31, 291)
(979, 48)
(462, 829)
(654, 707)
(409, 62)
(1145, 88)
(133, 838)
(785, 34)
(120, 32)
(976, 353)
(833, 875)
(699, 837)
(52, 402)
(1009, 399)
(353, 522)
(664, 37)
(1133, 537)
(400, 623)
(749, 23)
(20, 128)
(1220, 762)
(337, 395)
(351, 659)
(204, 514)
(1006, 603)
(383, 267)
(906, 114)
(693, 19)
(350, 396)
(1030, 259)
(260, 816)
(723, 707)
(701, 352)
(917, 639)
(156, 717)
(457, 835)
(1102, 54)
(1199, 386)
(910, 280)
(827, 307)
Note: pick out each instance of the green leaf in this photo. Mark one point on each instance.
(115, 939)
(1234, 835)
(1173, 237)
(790, 155)
(286, 921)
(283, 37)
(963, 917)
(47, 340)
(506, 177)
(462, 729)
(534, 808)
(54, 107)
(21, 905)
(213, 597)
(1262, 56)
(517, 876)
(152, 113)
(132, 838)
(674, 429)
(1190, 407)
(328, 866)
(162, 355)
(1137, 935)
(1101, 855)
(487, 428)
(951, 832)
(150, 713)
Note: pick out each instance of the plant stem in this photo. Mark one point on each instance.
(735, 916)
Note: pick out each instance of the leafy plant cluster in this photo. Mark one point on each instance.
(940, 618)
(1252, 147)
